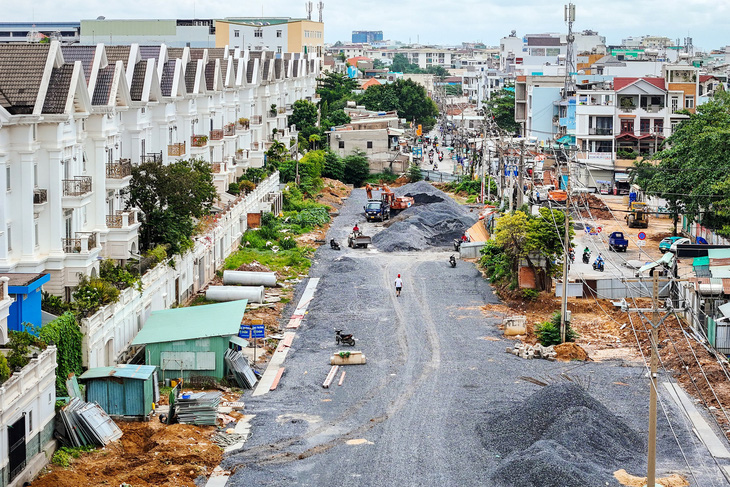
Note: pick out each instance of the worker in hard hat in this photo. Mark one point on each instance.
(369, 191)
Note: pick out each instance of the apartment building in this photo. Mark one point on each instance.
(424, 57)
(531, 53)
(171, 32)
(75, 119)
(480, 82)
(66, 32)
(277, 34)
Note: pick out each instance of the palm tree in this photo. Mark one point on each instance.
(313, 139)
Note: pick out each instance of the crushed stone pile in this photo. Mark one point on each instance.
(434, 220)
(559, 437)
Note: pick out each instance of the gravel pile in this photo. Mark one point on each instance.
(435, 220)
(562, 437)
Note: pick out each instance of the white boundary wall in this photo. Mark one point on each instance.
(110, 331)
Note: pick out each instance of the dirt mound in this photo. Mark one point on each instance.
(593, 207)
(253, 267)
(559, 436)
(633, 481)
(148, 454)
(434, 221)
(570, 351)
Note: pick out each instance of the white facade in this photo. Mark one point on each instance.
(171, 32)
(423, 57)
(481, 82)
(64, 166)
(264, 37)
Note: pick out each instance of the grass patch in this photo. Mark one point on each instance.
(201, 300)
(386, 177)
(291, 263)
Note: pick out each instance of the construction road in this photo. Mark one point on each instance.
(436, 368)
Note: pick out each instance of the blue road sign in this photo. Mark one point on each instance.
(259, 331)
(245, 331)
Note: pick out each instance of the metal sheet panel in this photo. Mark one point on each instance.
(177, 360)
(205, 361)
(134, 400)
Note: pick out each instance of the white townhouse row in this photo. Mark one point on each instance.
(75, 119)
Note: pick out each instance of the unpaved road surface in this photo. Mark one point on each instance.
(437, 369)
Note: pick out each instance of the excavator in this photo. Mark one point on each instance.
(396, 203)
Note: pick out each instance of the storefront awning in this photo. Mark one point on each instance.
(621, 176)
(567, 139)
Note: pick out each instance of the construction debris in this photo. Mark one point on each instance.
(527, 351)
(347, 357)
(85, 424)
(224, 438)
(198, 407)
(240, 368)
(330, 376)
(629, 480)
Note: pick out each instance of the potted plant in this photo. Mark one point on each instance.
(272, 110)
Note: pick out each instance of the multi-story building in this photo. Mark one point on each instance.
(66, 32)
(530, 54)
(366, 36)
(75, 119)
(171, 32)
(536, 99)
(480, 82)
(279, 34)
(424, 57)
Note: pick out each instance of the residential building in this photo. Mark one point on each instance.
(171, 32)
(376, 134)
(349, 50)
(277, 34)
(480, 82)
(75, 119)
(424, 57)
(366, 36)
(536, 99)
(66, 32)
(530, 54)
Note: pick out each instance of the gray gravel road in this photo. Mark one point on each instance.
(437, 371)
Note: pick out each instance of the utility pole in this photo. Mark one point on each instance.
(651, 460)
(521, 176)
(566, 258)
(500, 164)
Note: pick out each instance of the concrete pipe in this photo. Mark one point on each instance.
(248, 278)
(254, 294)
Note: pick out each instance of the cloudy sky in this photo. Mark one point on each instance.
(428, 21)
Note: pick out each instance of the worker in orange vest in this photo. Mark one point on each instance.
(369, 191)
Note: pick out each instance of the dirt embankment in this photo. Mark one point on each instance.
(150, 454)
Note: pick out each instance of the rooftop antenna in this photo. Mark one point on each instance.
(569, 61)
(308, 6)
(320, 7)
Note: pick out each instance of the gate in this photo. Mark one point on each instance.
(16, 440)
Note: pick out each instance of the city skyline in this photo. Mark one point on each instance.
(475, 22)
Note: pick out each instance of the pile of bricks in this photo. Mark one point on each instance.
(533, 351)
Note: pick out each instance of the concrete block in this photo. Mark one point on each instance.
(355, 358)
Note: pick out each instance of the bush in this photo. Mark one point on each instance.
(548, 332)
(234, 189)
(246, 186)
(495, 262)
(287, 243)
(386, 176)
(252, 239)
(357, 168)
(530, 294)
(19, 344)
(64, 332)
(91, 294)
(120, 277)
(53, 304)
(334, 167)
(4, 369)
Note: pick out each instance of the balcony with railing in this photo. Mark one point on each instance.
(256, 120)
(229, 130)
(218, 167)
(600, 131)
(119, 170)
(198, 141)
(40, 196)
(254, 146)
(175, 150)
(282, 110)
(243, 124)
(83, 242)
(152, 157)
(216, 134)
(121, 219)
(78, 186)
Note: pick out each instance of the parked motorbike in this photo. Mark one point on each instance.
(334, 245)
(452, 261)
(345, 339)
(586, 257)
(598, 265)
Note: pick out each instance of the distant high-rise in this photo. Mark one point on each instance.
(365, 36)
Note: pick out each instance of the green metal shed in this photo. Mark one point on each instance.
(191, 341)
(123, 390)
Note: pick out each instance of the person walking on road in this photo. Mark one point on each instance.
(398, 285)
(369, 191)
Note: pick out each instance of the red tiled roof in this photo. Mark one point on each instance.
(706, 77)
(354, 60)
(621, 83)
(369, 83)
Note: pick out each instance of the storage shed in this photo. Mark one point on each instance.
(191, 342)
(124, 390)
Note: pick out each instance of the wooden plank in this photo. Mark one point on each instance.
(277, 379)
(342, 378)
(330, 376)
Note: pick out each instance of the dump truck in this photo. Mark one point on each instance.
(638, 217)
(357, 240)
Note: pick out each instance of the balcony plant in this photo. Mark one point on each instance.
(273, 110)
(627, 103)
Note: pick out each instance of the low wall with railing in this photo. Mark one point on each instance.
(110, 330)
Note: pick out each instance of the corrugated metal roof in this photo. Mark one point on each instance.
(125, 371)
(212, 320)
(718, 253)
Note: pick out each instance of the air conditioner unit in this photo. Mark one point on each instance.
(338, 136)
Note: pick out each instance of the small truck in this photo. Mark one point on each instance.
(617, 242)
(377, 210)
(357, 239)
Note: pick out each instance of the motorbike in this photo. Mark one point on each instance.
(334, 245)
(345, 339)
(586, 257)
(435, 167)
(457, 244)
(452, 261)
(571, 254)
(598, 265)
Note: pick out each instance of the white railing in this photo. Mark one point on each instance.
(20, 383)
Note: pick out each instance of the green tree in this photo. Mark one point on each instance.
(439, 71)
(276, 154)
(402, 65)
(334, 167)
(691, 173)
(170, 198)
(407, 97)
(414, 173)
(335, 119)
(304, 114)
(357, 168)
(502, 108)
(334, 87)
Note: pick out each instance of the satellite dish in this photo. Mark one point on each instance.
(101, 17)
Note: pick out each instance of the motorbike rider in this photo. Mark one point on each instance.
(355, 229)
(599, 261)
